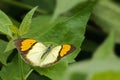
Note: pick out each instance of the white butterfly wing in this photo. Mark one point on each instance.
(51, 57)
(34, 54)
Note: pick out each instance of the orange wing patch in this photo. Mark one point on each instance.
(65, 49)
(27, 43)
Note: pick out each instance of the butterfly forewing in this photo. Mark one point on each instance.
(34, 55)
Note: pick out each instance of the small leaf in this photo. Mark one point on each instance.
(25, 25)
(106, 50)
(5, 30)
(5, 22)
(4, 19)
(61, 6)
(14, 29)
(3, 55)
(10, 46)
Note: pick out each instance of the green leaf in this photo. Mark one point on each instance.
(55, 72)
(5, 30)
(3, 55)
(61, 6)
(10, 46)
(12, 70)
(106, 50)
(4, 19)
(39, 26)
(90, 68)
(14, 29)
(5, 22)
(69, 31)
(107, 75)
(77, 76)
(25, 25)
(36, 76)
(106, 15)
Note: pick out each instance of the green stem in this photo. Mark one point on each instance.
(22, 5)
(21, 67)
(28, 74)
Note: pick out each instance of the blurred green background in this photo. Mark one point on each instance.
(100, 50)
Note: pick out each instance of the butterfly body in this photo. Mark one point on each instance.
(38, 54)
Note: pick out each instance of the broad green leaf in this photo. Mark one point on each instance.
(65, 5)
(106, 15)
(12, 70)
(25, 25)
(55, 72)
(106, 50)
(40, 25)
(3, 55)
(5, 22)
(69, 31)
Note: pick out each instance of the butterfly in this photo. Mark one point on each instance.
(38, 54)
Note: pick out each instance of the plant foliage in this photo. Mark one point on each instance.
(61, 22)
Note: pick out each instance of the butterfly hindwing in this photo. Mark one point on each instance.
(57, 53)
(51, 57)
